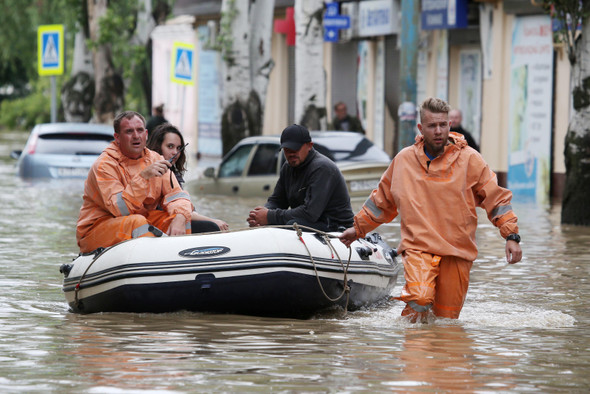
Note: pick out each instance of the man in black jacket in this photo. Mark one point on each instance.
(311, 190)
(456, 117)
(343, 121)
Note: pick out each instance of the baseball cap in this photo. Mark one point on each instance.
(294, 136)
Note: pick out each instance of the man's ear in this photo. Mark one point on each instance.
(420, 127)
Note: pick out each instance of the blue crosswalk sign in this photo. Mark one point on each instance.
(182, 70)
(50, 50)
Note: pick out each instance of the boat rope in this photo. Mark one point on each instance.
(345, 286)
(97, 253)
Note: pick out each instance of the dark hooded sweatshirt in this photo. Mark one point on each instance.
(316, 193)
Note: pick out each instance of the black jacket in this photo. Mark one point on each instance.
(315, 191)
(354, 124)
(470, 141)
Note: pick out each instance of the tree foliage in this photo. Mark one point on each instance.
(569, 14)
(18, 54)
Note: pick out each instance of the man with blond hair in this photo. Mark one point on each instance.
(435, 185)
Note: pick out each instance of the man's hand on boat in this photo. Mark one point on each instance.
(158, 168)
(258, 217)
(178, 226)
(348, 236)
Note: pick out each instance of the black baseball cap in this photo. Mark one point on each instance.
(294, 136)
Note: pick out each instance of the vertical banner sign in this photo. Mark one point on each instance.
(531, 95)
(209, 107)
(470, 90)
(182, 69)
(442, 65)
(362, 81)
(50, 50)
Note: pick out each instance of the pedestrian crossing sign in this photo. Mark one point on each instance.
(182, 69)
(50, 50)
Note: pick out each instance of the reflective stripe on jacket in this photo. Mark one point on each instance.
(437, 199)
(114, 187)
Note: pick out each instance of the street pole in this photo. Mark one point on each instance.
(53, 100)
(409, 39)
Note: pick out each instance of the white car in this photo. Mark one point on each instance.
(251, 168)
(62, 150)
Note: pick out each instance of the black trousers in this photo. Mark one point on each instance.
(203, 226)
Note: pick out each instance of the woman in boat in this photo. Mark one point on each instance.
(167, 140)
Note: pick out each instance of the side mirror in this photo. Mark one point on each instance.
(209, 172)
(15, 154)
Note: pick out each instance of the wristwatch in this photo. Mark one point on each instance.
(513, 237)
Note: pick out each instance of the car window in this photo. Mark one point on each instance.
(265, 160)
(236, 161)
(72, 144)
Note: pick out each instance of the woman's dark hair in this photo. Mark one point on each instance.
(156, 139)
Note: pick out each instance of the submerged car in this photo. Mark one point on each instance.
(251, 168)
(62, 150)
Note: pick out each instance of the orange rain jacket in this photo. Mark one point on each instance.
(437, 200)
(114, 188)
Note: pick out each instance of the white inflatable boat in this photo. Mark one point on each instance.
(265, 271)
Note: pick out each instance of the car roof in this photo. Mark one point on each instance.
(328, 134)
(72, 127)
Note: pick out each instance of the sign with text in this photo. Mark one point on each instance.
(182, 69)
(50, 50)
(444, 14)
(333, 22)
(531, 100)
(378, 18)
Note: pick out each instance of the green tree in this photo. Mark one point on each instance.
(129, 56)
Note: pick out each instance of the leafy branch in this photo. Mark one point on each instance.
(570, 14)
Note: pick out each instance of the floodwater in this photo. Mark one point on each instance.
(524, 327)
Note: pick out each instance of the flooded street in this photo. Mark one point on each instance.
(524, 327)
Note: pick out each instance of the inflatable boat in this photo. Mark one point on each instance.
(265, 271)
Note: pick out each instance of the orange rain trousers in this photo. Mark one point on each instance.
(434, 280)
(111, 231)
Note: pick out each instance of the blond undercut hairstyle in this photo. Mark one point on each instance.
(434, 105)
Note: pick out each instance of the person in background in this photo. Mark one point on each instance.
(456, 117)
(345, 122)
(124, 188)
(435, 185)
(310, 191)
(167, 140)
(156, 119)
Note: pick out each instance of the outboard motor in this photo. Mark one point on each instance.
(376, 239)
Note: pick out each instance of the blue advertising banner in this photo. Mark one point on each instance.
(444, 14)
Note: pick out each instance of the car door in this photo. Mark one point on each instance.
(263, 171)
(233, 169)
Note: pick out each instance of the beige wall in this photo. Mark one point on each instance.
(495, 102)
(277, 97)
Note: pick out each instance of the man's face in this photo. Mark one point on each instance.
(455, 117)
(296, 157)
(435, 129)
(132, 137)
(341, 111)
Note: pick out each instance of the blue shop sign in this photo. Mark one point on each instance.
(444, 14)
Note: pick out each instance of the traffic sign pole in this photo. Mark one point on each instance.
(53, 100)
